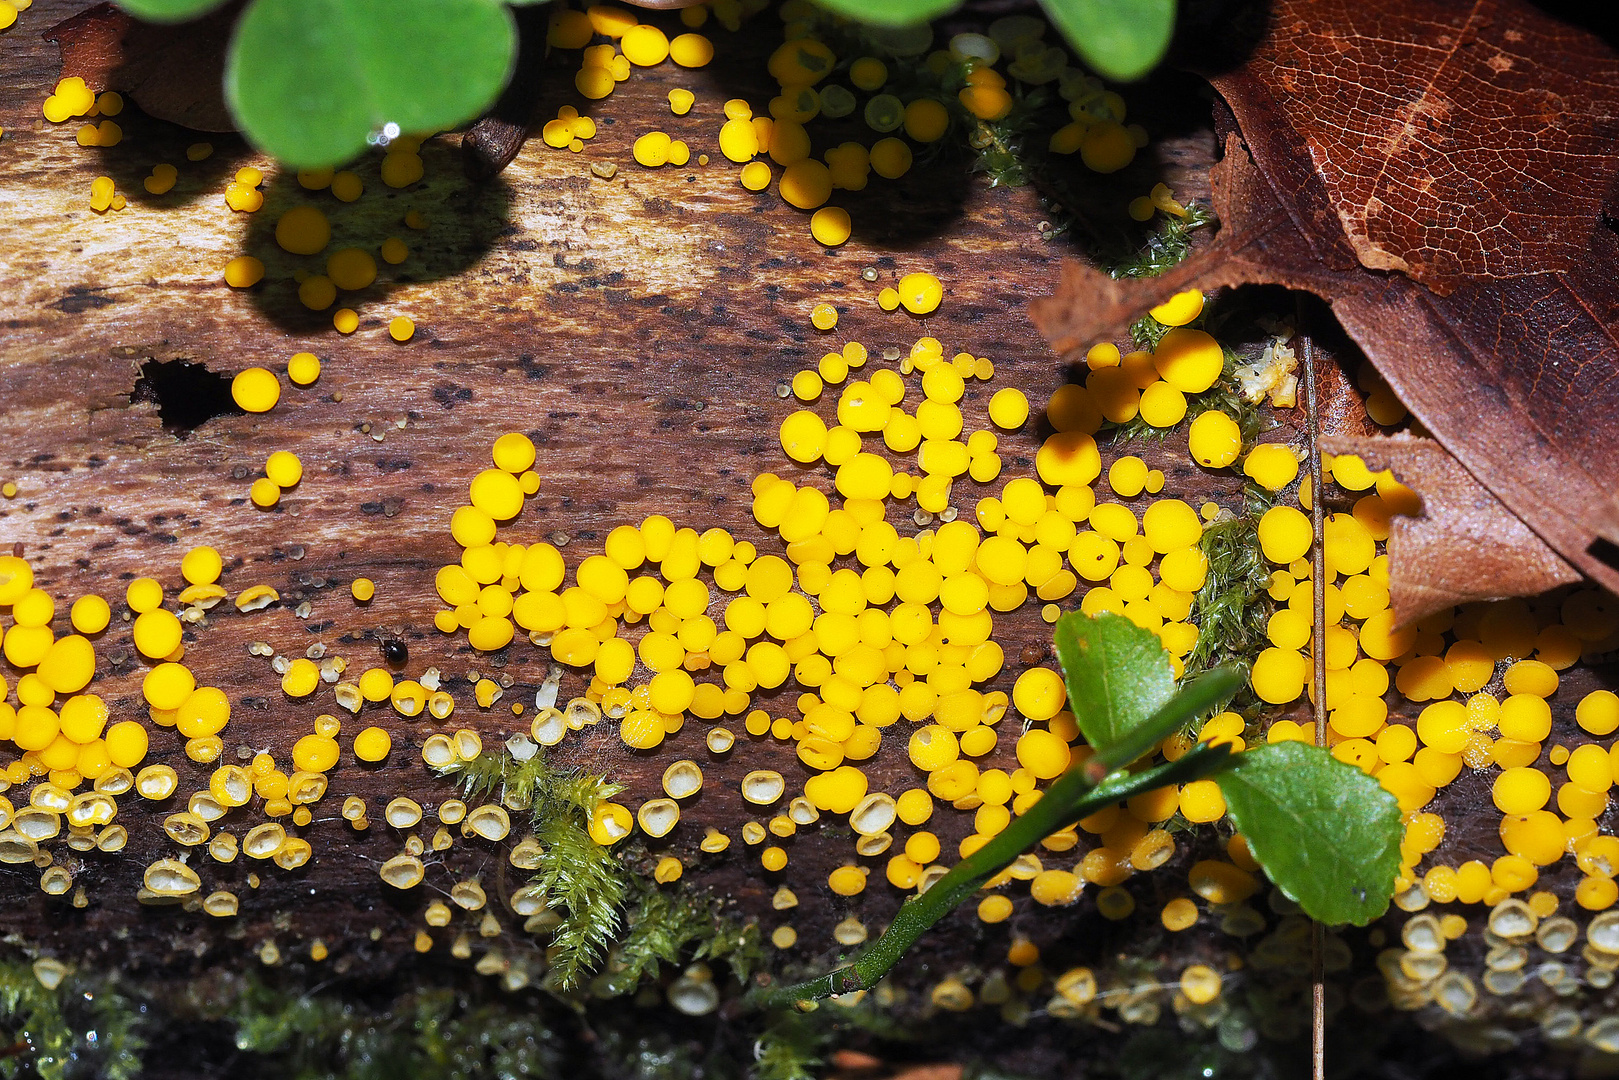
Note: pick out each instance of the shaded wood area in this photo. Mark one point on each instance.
(638, 328)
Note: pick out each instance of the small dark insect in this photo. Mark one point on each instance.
(394, 651)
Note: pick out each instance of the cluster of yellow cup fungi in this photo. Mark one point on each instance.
(804, 68)
(840, 624)
(306, 231)
(68, 738)
(302, 230)
(675, 624)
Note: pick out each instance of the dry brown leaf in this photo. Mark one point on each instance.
(1514, 375)
(1504, 557)
(1455, 141)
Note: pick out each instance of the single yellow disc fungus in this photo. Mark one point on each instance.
(401, 329)
(830, 225)
(691, 50)
(126, 744)
(1285, 534)
(1107, 147)
(652, 149)
(1179, 309)
(1214, 440)
(264, 493)
(1008, 409)
(167, 685)
(303, 230)
(67, 665)
(920, 293)
(317, 293)
(90, 614)
(243, 271)
(161, 182)
(204, 712)
(372, 744)
(847, 880)
(926, 120)
(1272, 466)
(1189, 360)
(255, 389)
(284, 469)
(806, 184)
(351, 268)
(157, 633)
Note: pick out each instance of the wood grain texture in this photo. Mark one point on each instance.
(637, 328)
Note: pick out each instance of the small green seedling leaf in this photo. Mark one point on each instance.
(309, 80)
(1118, 674)
(1326, 833)
(890, 12)
(1119, 39)
(168, 11)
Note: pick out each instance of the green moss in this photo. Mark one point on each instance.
(437, 1034)
(83, 1028)
(598, 895)
(1232, 608)
(791, 1048)
(584, 881)
(1164, 247)
(673, 928)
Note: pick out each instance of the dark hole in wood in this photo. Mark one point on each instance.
(186, 393)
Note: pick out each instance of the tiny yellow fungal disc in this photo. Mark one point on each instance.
(1189, 360)
(1214, 440)
(372, 744)
(351, 269)
(920, 293)
(401, 167)
(806, 184)
(1179, 309)
(830, 226)
(681, 101)
(1200, 983)
(284, 469)
(303, 230)
(90, 614)
(691, 50)
(1107, 147)
(255, 389)
(243, 271)
(401, 329)
(645, 45)
(346, 186)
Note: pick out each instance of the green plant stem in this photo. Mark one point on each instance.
(1076, 794)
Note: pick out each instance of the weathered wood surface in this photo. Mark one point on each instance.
(636, 327)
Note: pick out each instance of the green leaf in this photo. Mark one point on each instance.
(309, 80)
(1118, 674)
(1119, 39)
(1202, 695)
(1326, 833)
(890, 12)
(168, 11)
